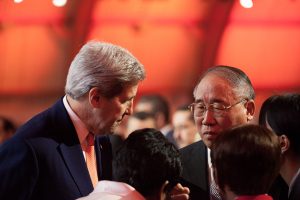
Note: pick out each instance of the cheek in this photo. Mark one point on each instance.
(236, 118)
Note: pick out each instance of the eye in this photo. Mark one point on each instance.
(200, 106)
(218, 106)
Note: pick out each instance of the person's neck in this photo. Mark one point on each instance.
(229, 195)
(289, 168)
(79, 108)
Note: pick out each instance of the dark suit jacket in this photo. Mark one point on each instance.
(170, 137)
(295, 190)
(44, 160)
(195, 174)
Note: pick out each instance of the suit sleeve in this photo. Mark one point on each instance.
(18, 170)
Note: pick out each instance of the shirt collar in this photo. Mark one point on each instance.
(80, 128)
(293, 181)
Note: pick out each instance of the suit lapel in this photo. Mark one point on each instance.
(201, 177)
(75, 163)
(104, 157)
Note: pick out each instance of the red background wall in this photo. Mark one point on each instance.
(176, 40)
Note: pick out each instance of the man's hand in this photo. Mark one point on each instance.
(179, 193)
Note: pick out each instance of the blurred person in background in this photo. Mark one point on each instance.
(185, 130)
(159, 106)
(138, 120)
(7, 129)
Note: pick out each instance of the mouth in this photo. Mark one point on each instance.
(209, 134)
(119, 120)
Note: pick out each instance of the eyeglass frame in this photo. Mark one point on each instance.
(211, 108)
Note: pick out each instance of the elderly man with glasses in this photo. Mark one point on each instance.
(224, 97)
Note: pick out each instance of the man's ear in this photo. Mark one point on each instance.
(94, 97)
(250, 106)
(284, 143)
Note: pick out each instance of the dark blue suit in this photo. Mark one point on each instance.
(44, 160)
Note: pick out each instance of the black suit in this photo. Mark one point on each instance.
(295, 190)
(170, 137)
(195, 172)
(44, 160)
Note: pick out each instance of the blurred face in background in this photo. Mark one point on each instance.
(185, 130)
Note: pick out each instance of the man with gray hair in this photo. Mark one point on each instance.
(224, 97)
(62, 152)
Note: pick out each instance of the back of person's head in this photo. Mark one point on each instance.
(238, 79)
(158, 104)
(246, 159)
(106, 66)
(282, 114)
(146, 160)
(7, 129)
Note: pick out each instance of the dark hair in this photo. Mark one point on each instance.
(143, 115)
(282, 113)
(146, 160)
(159, 104)
(236, 77)
(185, 107)
(8, 125)
(246, 159)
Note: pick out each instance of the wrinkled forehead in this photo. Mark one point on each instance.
(213, 88)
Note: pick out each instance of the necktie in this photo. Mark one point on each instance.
(91, 159)
(214, 191)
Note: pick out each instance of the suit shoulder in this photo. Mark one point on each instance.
(195, 147)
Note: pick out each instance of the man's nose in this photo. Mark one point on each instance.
(208, 117)
(129, 109)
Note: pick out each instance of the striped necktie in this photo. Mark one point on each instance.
(214, 191)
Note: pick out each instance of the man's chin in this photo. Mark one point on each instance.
(208, 142)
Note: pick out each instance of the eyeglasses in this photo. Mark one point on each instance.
(198, 109)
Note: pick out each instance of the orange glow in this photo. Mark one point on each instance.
(265, 42)
(166, 36)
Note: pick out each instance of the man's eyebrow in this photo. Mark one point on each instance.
(211, 101)
(198, 101)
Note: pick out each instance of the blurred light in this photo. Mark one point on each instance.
(59, 3)
(18, 1)
(246, 3)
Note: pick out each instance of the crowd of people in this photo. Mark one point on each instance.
(207, 150)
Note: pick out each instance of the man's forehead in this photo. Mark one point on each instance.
(213, 90)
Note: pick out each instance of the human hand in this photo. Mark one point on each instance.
(179, 193)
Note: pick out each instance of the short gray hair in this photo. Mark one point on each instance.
(237, 78)
(106, 66)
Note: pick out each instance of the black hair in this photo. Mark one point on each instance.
(146, 160)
